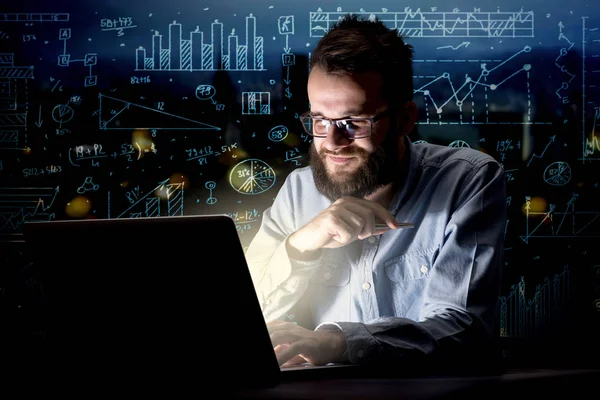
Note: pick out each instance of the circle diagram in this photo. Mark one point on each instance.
(205, 92)
(557, 174)
(62, 113)
(459, 143)
(252, 176)
(278, 133)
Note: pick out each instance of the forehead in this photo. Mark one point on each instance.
(337, 93)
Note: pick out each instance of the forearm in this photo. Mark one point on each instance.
(398, 340)
(279, 281)
(297, 252)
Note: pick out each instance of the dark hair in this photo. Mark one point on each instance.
(354, 45)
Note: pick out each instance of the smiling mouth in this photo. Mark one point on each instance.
(339, 160)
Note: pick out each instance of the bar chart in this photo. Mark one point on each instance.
(209, 50)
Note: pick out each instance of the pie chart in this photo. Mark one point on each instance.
(252, 176)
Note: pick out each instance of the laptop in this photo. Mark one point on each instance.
(163, 299)
(167, 300)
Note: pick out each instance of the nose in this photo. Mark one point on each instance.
(336, 138)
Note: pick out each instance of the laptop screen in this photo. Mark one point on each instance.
(163, 295)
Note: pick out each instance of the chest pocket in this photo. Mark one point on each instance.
(408, 276)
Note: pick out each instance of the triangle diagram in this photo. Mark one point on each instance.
(118, 114)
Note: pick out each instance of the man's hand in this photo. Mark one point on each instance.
(344, 221)
(294, 344)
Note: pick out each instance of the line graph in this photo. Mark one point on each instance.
(561, 224)
(534, 156)
(590, 52)
(464, 97)
(21, 204)
(519, 24)
(591, 144)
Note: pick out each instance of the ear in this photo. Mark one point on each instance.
(407, 117)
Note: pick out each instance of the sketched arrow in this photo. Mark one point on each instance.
(287, 80)
(39, 122)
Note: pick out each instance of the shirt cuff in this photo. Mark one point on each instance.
(361, 347)
(335, 327)
(311, 262)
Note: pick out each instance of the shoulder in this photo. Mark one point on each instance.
(300, 175)
(433, 156)
(300, 179)
(298, 184)
(298, 200)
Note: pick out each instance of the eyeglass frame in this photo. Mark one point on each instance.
(333, 121)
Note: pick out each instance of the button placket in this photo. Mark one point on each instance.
(365, 283)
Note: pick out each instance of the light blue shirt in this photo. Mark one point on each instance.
(408, 290)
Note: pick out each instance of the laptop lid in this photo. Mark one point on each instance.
(164, 297)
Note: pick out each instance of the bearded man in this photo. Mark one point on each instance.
(391, 251)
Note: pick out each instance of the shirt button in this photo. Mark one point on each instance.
(424, 268)
(366, 285)
(360, 353)
(372, 239)
(327, 275)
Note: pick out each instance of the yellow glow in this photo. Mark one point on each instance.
(140, 135)
(141, 140)
(124, 184)
(179, 178)
(592, 145)
(536, 205)
(292, 140)
(78, 207)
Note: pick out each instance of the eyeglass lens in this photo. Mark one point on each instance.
(352, 127)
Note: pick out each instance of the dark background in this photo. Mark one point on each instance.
(90, 127)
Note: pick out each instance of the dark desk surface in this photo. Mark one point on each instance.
(538, 383)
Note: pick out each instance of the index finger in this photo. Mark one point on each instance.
(381, 213)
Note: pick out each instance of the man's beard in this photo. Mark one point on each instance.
(376, 170)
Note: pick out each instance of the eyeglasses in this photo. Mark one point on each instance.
(353, 128)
